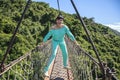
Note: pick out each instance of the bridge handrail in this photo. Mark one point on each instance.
(80, 49)
(11, 64)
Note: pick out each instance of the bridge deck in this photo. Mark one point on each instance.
(58, 72)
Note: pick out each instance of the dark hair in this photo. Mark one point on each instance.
(59, 17)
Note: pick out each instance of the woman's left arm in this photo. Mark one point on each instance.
(71, 35)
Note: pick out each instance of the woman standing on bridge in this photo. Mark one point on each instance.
(58, 32)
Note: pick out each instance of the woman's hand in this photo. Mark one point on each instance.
(75, 42)
(42, 43)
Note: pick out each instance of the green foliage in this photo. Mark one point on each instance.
(37, 20)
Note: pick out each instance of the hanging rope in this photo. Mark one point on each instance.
(91, 41)
(13, 37)
(59, 7)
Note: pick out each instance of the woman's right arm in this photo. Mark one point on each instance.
(47, 36)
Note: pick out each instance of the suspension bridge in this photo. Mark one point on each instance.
(30, 66)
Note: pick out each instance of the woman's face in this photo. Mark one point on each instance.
(59, 21)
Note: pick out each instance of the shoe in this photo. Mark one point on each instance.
(67, 67)
(46, 74)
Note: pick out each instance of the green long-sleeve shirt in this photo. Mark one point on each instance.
(58, 34)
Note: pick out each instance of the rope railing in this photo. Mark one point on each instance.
(84, 66)
(29, 66)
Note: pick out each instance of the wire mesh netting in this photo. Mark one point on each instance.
(29, 66)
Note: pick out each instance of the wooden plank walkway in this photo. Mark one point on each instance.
(58, 72)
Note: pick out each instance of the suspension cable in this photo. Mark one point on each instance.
(88, 34)
(13, 37)
(58, 7)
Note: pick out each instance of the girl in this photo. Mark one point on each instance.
(58, 32)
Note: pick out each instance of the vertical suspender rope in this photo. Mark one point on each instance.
(58, 7)
(90, 39)
(13, 37)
